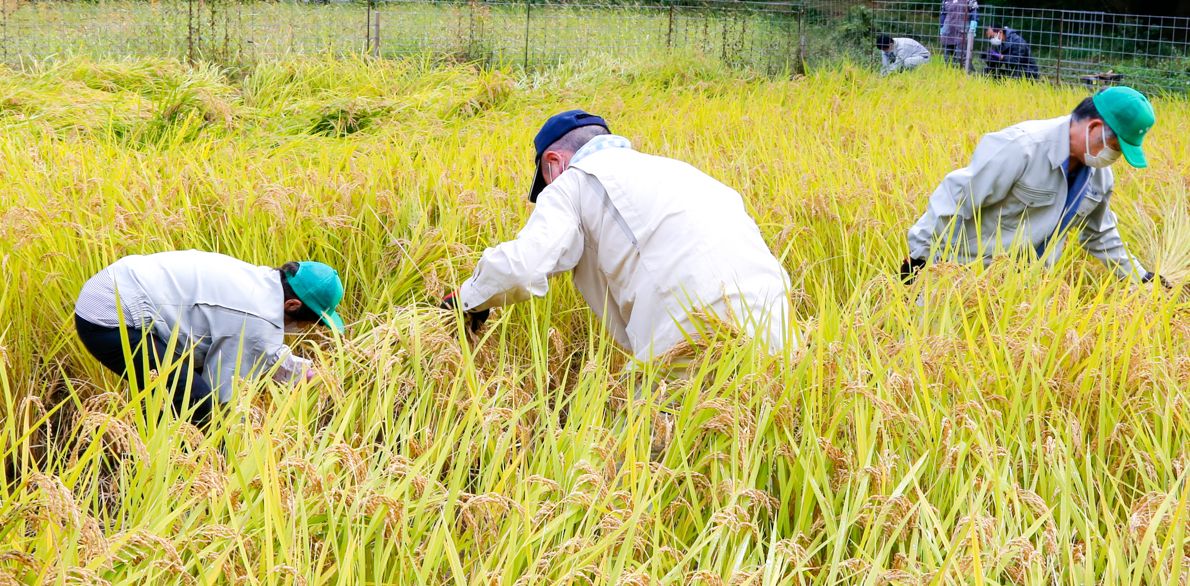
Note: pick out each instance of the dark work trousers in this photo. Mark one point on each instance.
(104, 344)
(954, 54)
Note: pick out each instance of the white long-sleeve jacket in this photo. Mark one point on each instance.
(906, 54)
(228, 312)
(650, 240)
(1013, 194)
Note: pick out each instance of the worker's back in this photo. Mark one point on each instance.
(169, 283)
(664, 239)
(203, 296)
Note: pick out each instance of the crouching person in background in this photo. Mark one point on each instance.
(900, 54)
(229, 317)
(1010, 55)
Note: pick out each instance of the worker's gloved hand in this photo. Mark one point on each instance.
(909, 269)
(475, 319)
(1151, 276)
(941, 31)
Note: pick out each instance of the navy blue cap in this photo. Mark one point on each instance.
(557, 127)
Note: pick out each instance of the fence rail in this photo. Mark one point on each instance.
(1151, 52)
(1071, 46)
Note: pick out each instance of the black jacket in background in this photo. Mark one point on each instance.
(1014, 58)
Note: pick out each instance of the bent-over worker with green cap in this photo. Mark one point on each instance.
(1030, 184)
(229, 317)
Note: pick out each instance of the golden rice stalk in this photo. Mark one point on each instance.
(80, 576)
(1167, 247)
(539, 480)
(1018, 556)
(890, 511)
(855, 566)
(793, 554)
(104, 402)
(139, 545)
(285, 569)
(1144, 513)
(56, 504)
(542, 567)
(839, 459)
(391, 508)
(634, 579)
(20, 558)
(205, 473)
(734, 519)
(175, 569)
(707, 578)
(981, 527)
(315, 483)
(351, 460)
(589, 574)
(897, 577)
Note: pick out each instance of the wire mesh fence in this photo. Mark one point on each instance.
(760, 34)
(774, 36)
(1090, 48)
(755, 34)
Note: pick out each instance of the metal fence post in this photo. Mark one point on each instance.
(723, 42)
(376, 34)
(800, 64)
(4, 30)
(669, 33)
(528, 7)
(190, 31)
(1061, 37)
(969, 46)
(471, 41)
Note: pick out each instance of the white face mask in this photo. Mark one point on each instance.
(295, 329)
(1105, 158)
(995, 41)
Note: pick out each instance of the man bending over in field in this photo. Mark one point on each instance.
(900, 54)
(1029, 184)
(650, 240)
(230, 319)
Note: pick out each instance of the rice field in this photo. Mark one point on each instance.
(999, 425)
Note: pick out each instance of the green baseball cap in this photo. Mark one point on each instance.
(319, 288)
(1129, 115)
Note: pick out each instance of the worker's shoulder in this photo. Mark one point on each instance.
(617, 158)
(607, 154)
(1028, 132)
(187, 259)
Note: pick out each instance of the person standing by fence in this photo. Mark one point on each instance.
(957, 17)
